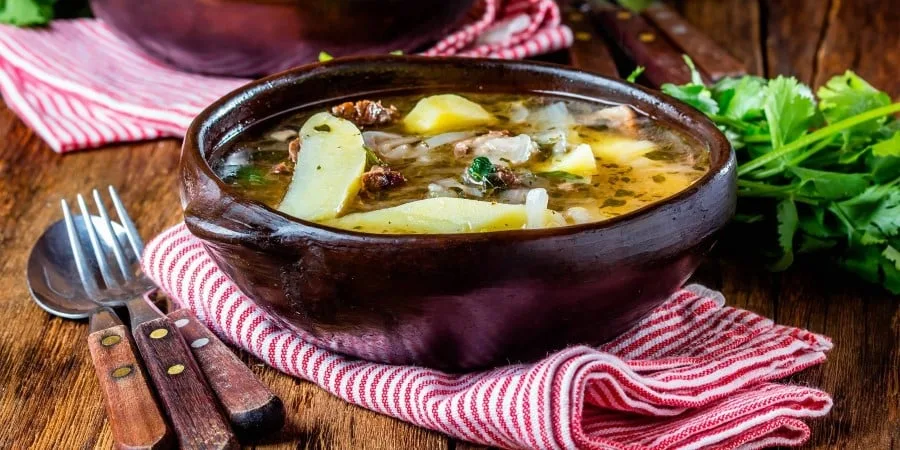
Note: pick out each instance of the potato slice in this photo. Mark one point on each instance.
(329, 166)
(442, 215)
(615, 147)
(579, 161)
(445, 112)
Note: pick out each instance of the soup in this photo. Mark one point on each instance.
(456, 163)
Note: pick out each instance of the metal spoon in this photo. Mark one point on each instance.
(134, 416)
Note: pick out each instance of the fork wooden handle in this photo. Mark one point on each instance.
(187, 399)
(252, 408)
(134, 417)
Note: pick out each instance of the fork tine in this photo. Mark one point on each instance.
(133, 237)
(90, 285)
(99, 254)
(114, 238)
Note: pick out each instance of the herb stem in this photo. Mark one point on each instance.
(816, 136)
(764, 187)
(757, 139)
(796, 160)
(733, 123)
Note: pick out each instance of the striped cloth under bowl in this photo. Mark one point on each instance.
(79, 86)
(693, 374)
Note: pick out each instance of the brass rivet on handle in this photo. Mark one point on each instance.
(583, 36)
(110, 340)
(121, 371)
(159, 333)
(175, 369)
(623, 15)
(647, 37)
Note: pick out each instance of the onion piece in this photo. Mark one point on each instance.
(513, 196)
(377, 140)
(283, 135)
(446, 138)
(554, 116)
(518, 112)
(535, 204)
(468, 190)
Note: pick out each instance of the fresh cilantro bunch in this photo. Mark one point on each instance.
(27, 13)
(820, 172)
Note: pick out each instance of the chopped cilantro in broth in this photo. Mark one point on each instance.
(636, 160)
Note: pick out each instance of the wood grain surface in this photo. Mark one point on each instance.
(50, 398)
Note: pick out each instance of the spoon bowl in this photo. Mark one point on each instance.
(55, 287)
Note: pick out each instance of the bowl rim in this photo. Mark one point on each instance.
(704, 130)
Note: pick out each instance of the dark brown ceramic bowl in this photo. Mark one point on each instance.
(456, 301)
(258, 37)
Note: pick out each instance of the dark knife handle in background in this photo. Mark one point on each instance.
(188, 400)
(134, 417)
(252, 408)
(710, 58)
(641, 42)
(588, 51)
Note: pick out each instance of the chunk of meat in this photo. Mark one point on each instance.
(622, 117)
(503, 177)
(462, 148)
(500, 177)
(294, 150)
(379, 178)
(282, 168)
(366, 112)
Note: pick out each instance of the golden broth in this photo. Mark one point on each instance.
(636, 160)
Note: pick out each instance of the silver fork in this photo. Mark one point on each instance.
(187, 399)
(251, 407)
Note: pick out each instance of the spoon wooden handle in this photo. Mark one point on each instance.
(709, 57)
(588, 51)
(188, 401)
(253, 409)
(643, 43)
(134, 417)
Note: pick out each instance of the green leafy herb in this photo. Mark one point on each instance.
(250, 175)
(693, 93)
(325, 56)
(480, 168)
(787, 227)
(633, 76)
(560, 175)
(888, 147)
(848, 95)
(372, 158)
(816, 174)
(27, 13)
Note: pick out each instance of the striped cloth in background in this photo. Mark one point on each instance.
(79, 86)
(693, 374)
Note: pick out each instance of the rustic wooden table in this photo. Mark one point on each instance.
(49, 396)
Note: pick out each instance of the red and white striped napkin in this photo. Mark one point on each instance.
(693, 374)
(79, 86)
